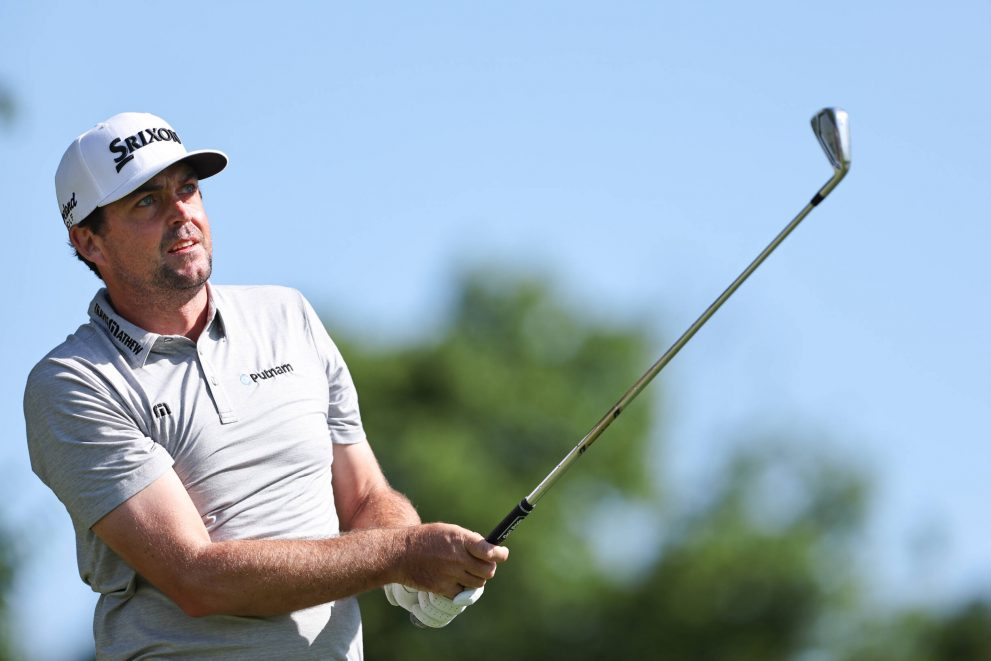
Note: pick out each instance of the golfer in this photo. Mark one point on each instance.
(206, 440)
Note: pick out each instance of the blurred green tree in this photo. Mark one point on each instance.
(7, 567)
(757, 569)
(959, 633)
(964, 633)
(8, 554)
(469, 423)
(8, 108)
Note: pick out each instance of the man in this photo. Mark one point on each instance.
(206, 440)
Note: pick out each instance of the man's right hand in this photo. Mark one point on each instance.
(445, 559)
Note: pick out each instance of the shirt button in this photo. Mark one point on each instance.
(213, 380)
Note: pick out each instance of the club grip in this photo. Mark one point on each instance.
(497, 536)
(509, 523)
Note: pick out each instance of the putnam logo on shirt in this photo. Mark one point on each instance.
(262, 375)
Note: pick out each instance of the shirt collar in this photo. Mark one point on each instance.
(134, 342)
(215, 327)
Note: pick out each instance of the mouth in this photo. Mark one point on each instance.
(183, 246)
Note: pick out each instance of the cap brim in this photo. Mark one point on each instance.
(205, 162)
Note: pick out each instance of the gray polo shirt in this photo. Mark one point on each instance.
(245, 416)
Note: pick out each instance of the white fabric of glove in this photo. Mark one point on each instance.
(402, 596)
(437, 611)
(429, 609)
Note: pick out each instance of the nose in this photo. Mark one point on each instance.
(183, 210)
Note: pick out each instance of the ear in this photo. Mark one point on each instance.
(86, 243)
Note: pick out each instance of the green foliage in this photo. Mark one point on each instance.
(961, 633)
(764, 567)
(8, 564)
(964, 634)
(751, 573)
(8, 108)
(468, 424)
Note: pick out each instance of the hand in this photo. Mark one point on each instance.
(402, 596)
(445, 559)
(436, 611)
(428, 609)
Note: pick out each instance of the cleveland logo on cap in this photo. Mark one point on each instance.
(67, 210)
(127, 146)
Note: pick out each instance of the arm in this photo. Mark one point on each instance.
(365, 500)
(363, 497)
(159, 533)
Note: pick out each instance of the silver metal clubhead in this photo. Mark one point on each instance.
(832, 128)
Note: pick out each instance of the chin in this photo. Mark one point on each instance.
(177, 280)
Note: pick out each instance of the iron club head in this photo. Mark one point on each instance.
(832, 128)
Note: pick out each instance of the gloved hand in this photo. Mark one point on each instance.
(428, 609)
(402, 596)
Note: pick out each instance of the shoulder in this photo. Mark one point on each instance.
(264, 309)
(265, 295)
(80, 356)
(75, 384)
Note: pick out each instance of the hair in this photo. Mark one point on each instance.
(94, 222)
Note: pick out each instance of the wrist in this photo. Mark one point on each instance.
(399, 543)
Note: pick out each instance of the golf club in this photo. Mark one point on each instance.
(831, 127)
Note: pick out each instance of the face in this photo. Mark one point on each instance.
(155, 239)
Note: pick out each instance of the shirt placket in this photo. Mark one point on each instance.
(216, 386)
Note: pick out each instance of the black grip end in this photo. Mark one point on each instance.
(509, 522)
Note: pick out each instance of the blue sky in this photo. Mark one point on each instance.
(638, 154)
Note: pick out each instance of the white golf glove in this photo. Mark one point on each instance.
(429, 609)
(402, 596)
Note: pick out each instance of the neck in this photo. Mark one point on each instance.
(166, 312)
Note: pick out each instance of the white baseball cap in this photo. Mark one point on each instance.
(114, 157)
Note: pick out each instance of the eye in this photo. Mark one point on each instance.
(145, 201)
(190, 188)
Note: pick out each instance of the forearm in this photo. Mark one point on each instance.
(269, 577)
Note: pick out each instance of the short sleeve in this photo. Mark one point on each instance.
(343, 414)
(83, 443)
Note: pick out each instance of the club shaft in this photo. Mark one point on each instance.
(525, 506)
